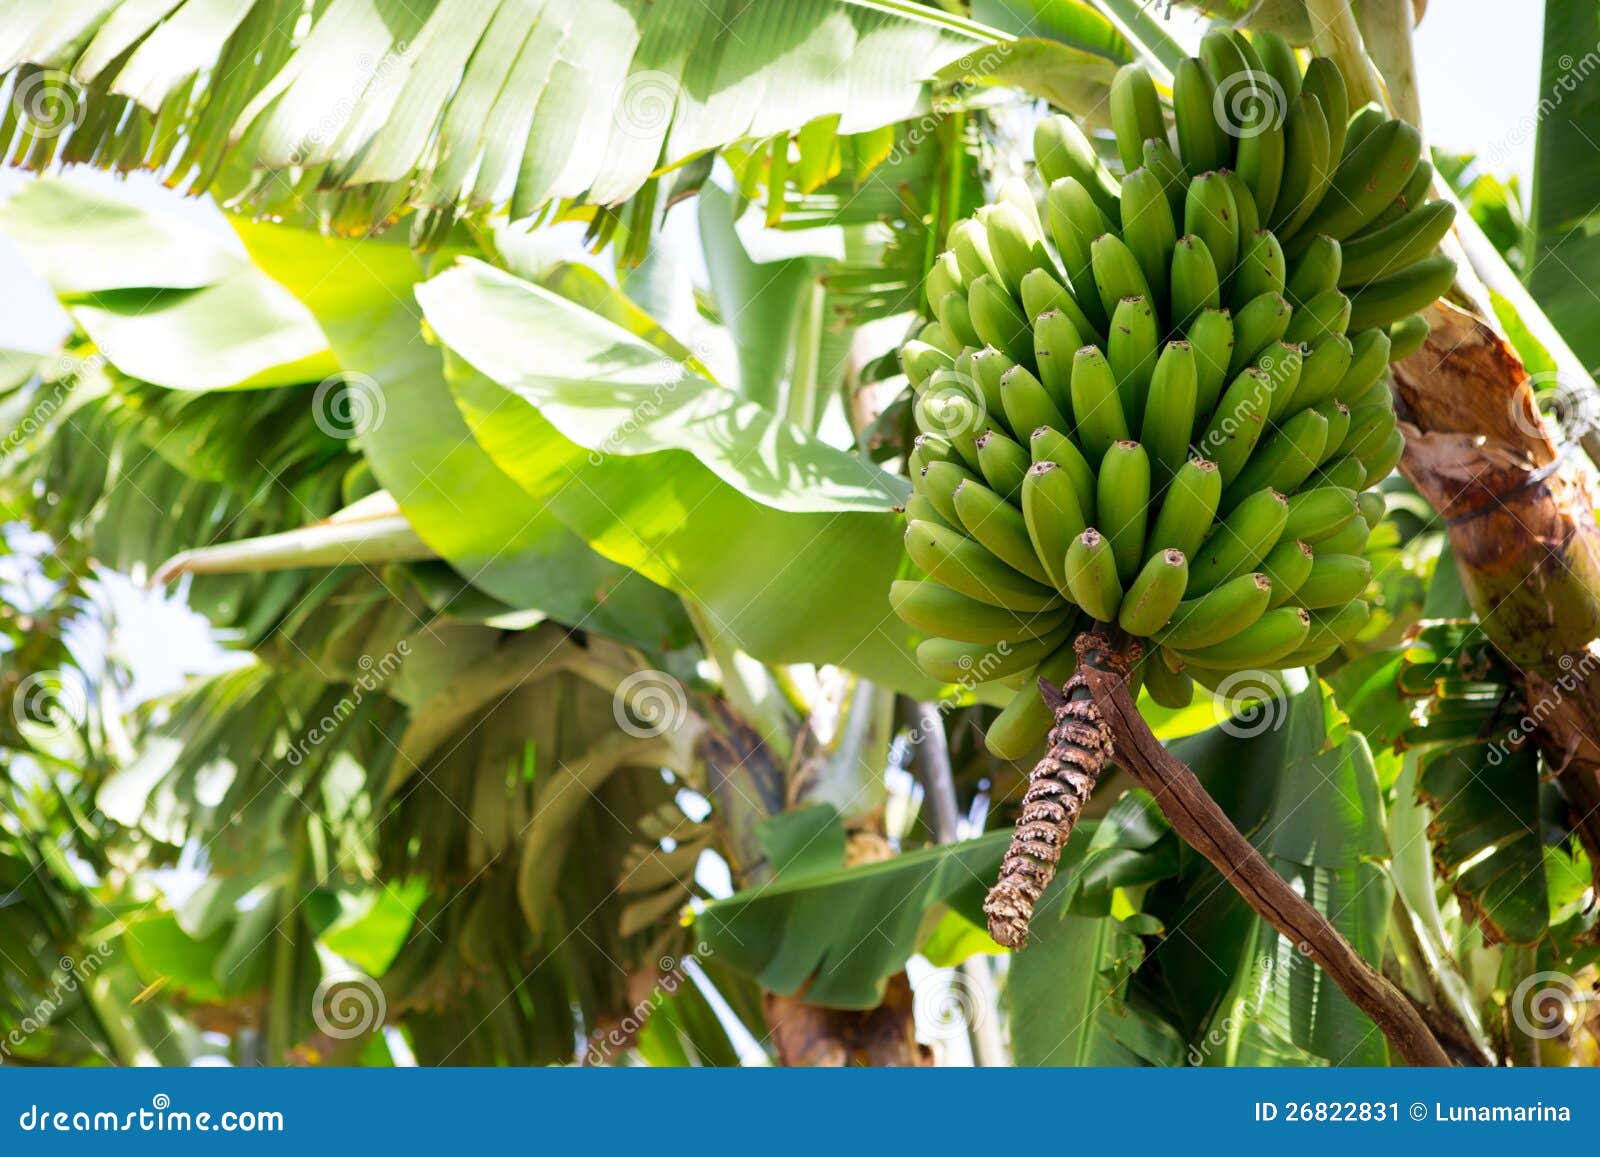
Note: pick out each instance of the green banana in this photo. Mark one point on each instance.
(1406, 241)
(1259, 163)
(1307, 166)
(1170, 689)
(1367, 180)
(957, 662)
(1003, 463)
(1055, 340)
(1369, 427)
(1096, 406)
(1027, 404)
(1022, 724)
(1012, 244)
(1237, 422)
(1316, 514)
(917, 508)
(1406, 337)
(1148, 230)
(1262, 321)
(1324, 314)
(926, 448)
(1122, 503)
(1334, 580)
(1042, 293)
(934, 334)
(1201, 141)
(1169, 413)
(1272, 636)
(1131, 352)
(1164, 163)
(1211, 336)
(944, 277)
(1342, 472)
(1322, 370)
(1014, 191)
(937, 482)
(1284, 461)
(1209, 213)
(920, 360)
(1075, 221)
(1315, 270)
(1369, 358)
(1339, 625)
(927, 606)
(1278, 58)
(969, 241)
(1239, 541)
(1384, 459)
(1061, 150)
(987, 366)
(955, 561)
(1053, 516)
(1261, 268)
(1194, 284)
(1287, 565)
(1390, 298)
(1187, 507)
(1135, 114)
(1246, 218)
(1351, 540)
(1324, 81)
(1116, 272)
(999, 527)
(953, 314)
(1281, 362)
(1092, 576)
(1337, 415)
(1218, 614)
(1051, 445)
(998, 319)
(1154, 594)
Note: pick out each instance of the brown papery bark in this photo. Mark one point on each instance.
(1522, 528)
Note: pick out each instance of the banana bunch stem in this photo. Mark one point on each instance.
(1078, 749)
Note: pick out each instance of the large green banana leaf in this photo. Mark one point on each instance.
(788, 543)
(443, 104)
(1565, 262)
(839, 933)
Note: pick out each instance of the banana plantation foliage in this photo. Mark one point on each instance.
(822, 533)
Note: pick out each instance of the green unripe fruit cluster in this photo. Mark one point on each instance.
(1159, 401)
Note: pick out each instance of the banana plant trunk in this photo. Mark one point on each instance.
(1522, 528)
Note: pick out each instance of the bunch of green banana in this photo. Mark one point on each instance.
(1156, 396)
